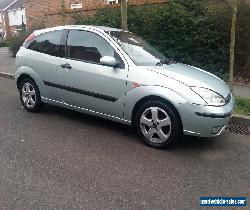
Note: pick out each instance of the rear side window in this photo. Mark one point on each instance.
(50, 43)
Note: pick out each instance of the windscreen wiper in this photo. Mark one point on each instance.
(165, 61)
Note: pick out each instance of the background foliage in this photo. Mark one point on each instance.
(190, 31)
(243, 40)
(16, 41)
(3, 44)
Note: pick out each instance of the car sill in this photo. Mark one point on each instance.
(88, 110)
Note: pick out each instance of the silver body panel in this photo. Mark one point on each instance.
(169, 82)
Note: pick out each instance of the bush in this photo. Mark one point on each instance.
(3, 44)
(16, 42)
(190, 31)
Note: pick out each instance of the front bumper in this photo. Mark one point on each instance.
(205, 121)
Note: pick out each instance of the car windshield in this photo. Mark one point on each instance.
(138, 49)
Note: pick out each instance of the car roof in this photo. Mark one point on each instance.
(79, 27)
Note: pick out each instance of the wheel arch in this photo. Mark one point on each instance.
(154, 98)
(27, 72)
(22, 77)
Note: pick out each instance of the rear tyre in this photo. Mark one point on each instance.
(157, 124)
(30, 96)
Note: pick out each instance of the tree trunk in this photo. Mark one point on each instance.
(21, 7)
(63, 11)
(232, 44)
(124, 14)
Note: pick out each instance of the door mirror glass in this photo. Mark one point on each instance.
(109, 61)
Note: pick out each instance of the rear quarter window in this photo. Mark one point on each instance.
(51, 43)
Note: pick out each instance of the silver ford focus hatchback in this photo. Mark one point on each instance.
(113, 74)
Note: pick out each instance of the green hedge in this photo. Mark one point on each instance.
(16, 42)
(3, 44)
(190, 31)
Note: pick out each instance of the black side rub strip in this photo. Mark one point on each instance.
(213, 115)
(83, 92)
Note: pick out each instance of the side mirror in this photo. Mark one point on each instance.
(109, 61)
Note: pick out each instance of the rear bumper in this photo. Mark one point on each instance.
(205, 121)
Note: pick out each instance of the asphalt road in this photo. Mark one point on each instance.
(59, 159)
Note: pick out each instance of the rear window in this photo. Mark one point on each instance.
(50, 43)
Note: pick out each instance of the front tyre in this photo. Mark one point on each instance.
(157, 124)
(30, 96)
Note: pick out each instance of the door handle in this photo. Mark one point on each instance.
(66, 66)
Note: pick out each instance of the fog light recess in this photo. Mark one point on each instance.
(216, 130)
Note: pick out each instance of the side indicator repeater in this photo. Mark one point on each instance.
(135, 84)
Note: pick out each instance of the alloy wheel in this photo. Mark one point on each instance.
(155, 125)
(28, 95)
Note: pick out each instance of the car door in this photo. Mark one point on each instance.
(44, 55)
(86, 83)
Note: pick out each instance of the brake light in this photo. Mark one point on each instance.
(31, 37)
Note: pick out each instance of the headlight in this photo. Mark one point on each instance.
(210, 97)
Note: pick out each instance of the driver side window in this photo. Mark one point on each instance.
(87, 46)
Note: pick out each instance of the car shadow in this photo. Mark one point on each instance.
(194, 143)
(90, 120)
(184, 142)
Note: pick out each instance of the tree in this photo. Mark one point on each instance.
(23, 25)
(124, 15)
(232, 43)
(63, 11)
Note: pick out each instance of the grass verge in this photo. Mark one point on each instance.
(242, 106)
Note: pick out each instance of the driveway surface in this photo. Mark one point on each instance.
(60, 159)
(242, 90)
